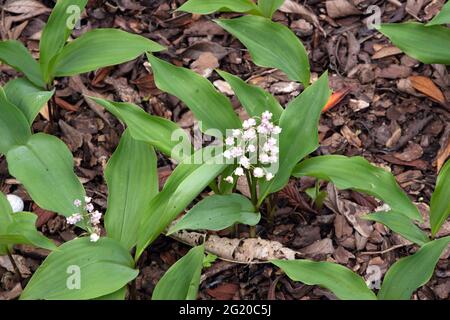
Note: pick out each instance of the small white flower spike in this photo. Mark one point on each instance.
(15, 202)
(269, 176)
(87, 199)
(239, 171)
(77, 203)
(229, 179)
(229, 141)
(74, 219)
(94, 237)
(258, 172)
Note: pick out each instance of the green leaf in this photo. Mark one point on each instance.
(299, 136)
(443, 17)
(358, 174)
(271, 45)
(27, 97)
(103, 267)
(22, 230)
(400, 224)
(210, 107)
(100, 48)
(410, 273)
(181, 188)
(440, 204)
(268, 7)
(132, 180)
(182, 280)
(218, 212)
(13, 53)
(344, 283)
(427, 44)
(44, 165)
(254, 99)
(116, 295)
(157, 131)
(208, 260)
(210, 6)
(5, 219)
(60, 24)
(14, 129)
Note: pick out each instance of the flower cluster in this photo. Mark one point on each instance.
(254, 144)
(94, 217)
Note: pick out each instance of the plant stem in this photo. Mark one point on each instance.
(270, 209)
(252, 186)
(214, 187)
(13, 262)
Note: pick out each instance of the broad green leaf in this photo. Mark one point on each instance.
(440, 200)
(271, 45)
(5, 219)
(210, 107)
(132, 180)
(81, 269)
(13, 53)
(358, 174)
(268, 7)
(343, 282)
(254, 99)
(116, 295)
(60, 24)
(100, 48)
(410, 273)
(299, 136)
(218, 212)
(400, 224)
(14, 128)
(427, 44)
(44, 165)
(182, 280)
(157, 131)
(210, 6)
(181, 188)
(27, 97)
(443, 17)
(22, 230)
